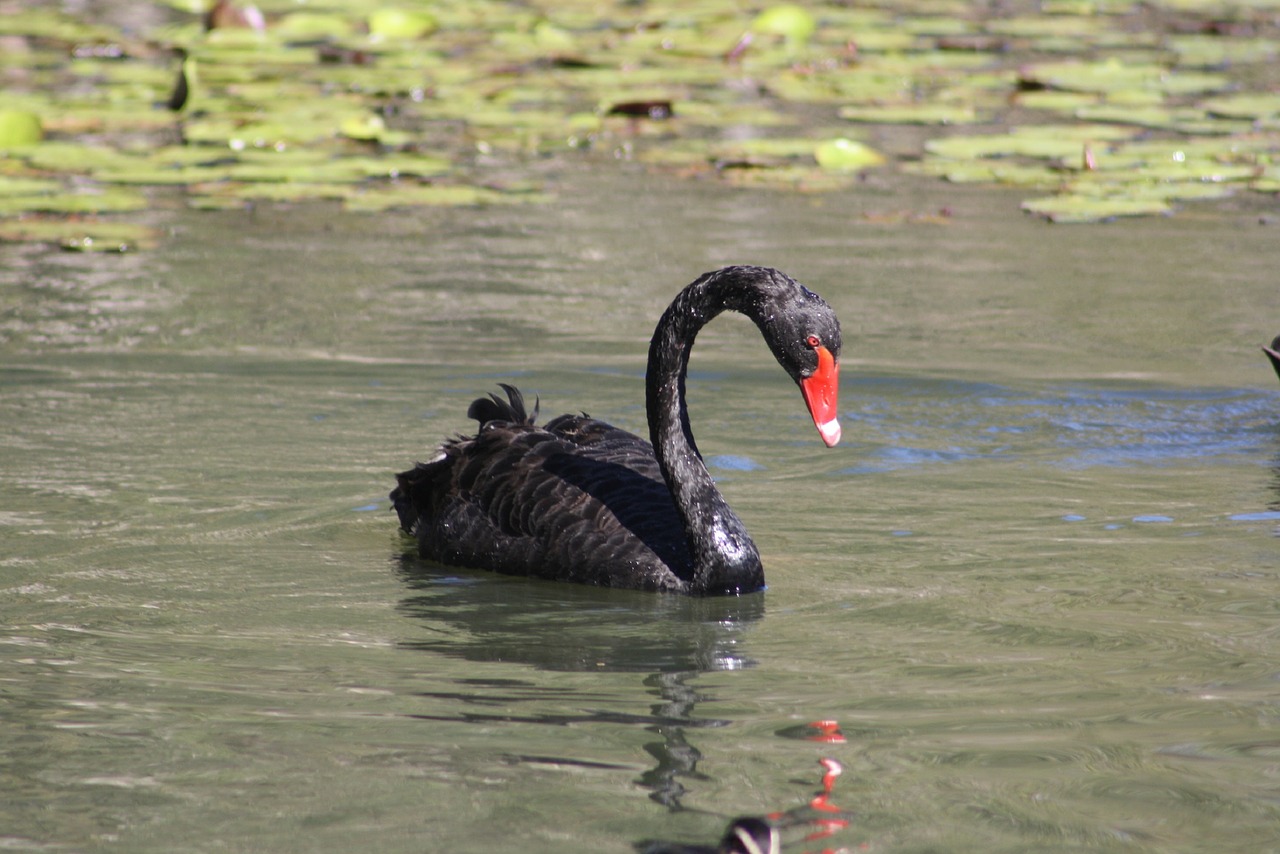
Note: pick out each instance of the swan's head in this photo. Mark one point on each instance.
(804, 334)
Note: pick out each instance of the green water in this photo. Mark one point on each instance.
(1036, 585)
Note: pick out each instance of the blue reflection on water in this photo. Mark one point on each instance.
(907, 422)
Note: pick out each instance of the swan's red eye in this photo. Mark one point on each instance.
(812, 341)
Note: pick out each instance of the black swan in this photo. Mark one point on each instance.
(581, 500)
(1273, 353)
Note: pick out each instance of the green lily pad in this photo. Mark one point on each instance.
(1047, 142)
(77, 158)
(109, 201)
(301, 127)
(427, 195)
(847, 155)
(47, 24)
(794, 23)
(1113, 75)
(726, 115)
(19, 128)
(401, 24)
(82, 235)
(288, 191)
(1184, 159)
(989, 171)
(1048, 25)
(1078, 209)
(1245, 105)
(911, 114)
(312, 25)
(1185, 119)
(1213, 51)
(1056, 101)
(11, 186)
(763, 151)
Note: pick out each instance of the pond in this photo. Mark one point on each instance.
(1034, 590)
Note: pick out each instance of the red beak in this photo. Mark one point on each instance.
(820, 392)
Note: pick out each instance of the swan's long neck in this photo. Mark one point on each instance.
(725, 558)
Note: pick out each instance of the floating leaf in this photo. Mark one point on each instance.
(1245, 105)
(83, 235)
(1049, 142)
(1077, 209)
(911, 114)
(386, 198)
(1113, 75)
(27, 186)
(19, 128)
(1213, 51)
(287, 191)
(990, 171)
(367, 127)
(312, 25)
(1145, 189)
(794, 23)
(845, 155)
(401, 24)
(110, 201)
(1055, 101)
(77, 158)
(1186, 119)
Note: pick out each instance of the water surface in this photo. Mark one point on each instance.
(1036, 585)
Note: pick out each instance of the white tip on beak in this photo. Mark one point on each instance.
(830, 432)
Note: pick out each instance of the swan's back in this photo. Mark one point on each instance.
(576, 500)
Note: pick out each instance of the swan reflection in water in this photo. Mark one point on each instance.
(669, 639)
(666, 640)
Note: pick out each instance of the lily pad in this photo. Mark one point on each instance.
(847, 155)
(1046, 142)
(1056, 101)
(81, 235)
(424, 195)
(1078, 209)
(109, 201)
(27, 186)
(401, 24)
(1184, 119)
(911, 114)
(312, 25)
(1214, 51)
(988, 171)
(276, 192)
(1245, 105)
(19, 128)
(795, 23)
(1113, 75)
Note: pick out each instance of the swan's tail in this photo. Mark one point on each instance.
(511, 410)
(422, 490)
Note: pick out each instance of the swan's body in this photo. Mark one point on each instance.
(580, 500)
